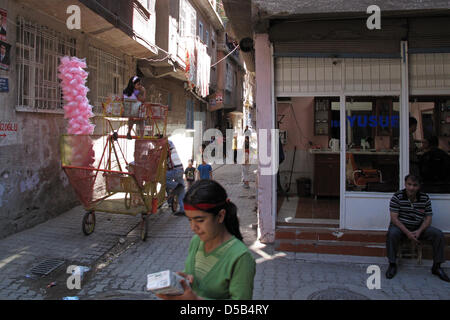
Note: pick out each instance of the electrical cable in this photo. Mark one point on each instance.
(235, 48)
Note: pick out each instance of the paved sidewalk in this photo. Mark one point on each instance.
(119, 269)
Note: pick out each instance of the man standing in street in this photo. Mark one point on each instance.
(411, 214)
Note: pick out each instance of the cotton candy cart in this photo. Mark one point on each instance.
(113, 174)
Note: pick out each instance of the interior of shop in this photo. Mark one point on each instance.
(309, 177)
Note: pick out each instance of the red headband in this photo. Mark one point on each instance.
(204, 206)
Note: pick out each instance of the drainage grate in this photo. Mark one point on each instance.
(47, 266)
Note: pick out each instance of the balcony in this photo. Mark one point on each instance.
(209, 9)
(125, 25)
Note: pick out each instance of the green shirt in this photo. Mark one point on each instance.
(227, 272)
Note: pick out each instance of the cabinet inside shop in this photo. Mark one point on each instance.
(322, 116)
(326, 175)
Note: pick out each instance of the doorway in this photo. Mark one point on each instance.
(309, 177)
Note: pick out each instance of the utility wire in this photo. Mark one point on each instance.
(235, 48)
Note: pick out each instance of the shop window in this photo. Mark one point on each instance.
(188, 19)
(38, 49)
(372, 151)
(148, 4)
(429, 142)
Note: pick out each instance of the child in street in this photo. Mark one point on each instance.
(218, 265)
(190, 174)
(205, 171)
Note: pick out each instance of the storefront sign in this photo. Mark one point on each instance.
(4, 85)
(7, 128)
(371, 121)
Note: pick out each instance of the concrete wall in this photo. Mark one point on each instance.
(33, 188)
(298, 135)
(265, 120)
(289, 7)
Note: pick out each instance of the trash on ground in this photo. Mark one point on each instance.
(52, 284)
(71, 298)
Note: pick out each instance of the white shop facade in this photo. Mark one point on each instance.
(361, 93)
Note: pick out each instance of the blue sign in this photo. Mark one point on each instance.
(4, 85)
(371, 121)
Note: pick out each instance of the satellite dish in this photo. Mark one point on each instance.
(246, 44)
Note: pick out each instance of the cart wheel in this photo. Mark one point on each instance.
(174, 203)
(128, 200)
(88, 225)
(144, 227)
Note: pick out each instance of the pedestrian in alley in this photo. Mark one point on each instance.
(190, 174)
(246, 165)
(234, 146)
(219, 265)
(204, 171)
(411, 214)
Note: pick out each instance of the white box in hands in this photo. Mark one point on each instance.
(165, 282)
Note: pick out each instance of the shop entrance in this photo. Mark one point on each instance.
(309, 177)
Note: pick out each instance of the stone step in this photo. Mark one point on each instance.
(330, 234)
(343, 242)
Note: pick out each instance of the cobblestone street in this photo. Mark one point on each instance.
(120, 261)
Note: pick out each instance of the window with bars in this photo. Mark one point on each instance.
(38, 49)
(188, 19)
(148, 4)
(106, 76)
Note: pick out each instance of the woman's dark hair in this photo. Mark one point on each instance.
(211, 192)
(128, 91)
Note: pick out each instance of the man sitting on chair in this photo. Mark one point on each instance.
(411, 214)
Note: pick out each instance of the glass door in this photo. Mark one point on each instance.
(309, 177)
(372, 144)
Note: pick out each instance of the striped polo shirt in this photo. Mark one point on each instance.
(174, 156)
(411, 214)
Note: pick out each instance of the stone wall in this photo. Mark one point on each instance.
(33, 187)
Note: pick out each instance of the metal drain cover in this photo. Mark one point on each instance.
(46, 266)
(337, 294)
